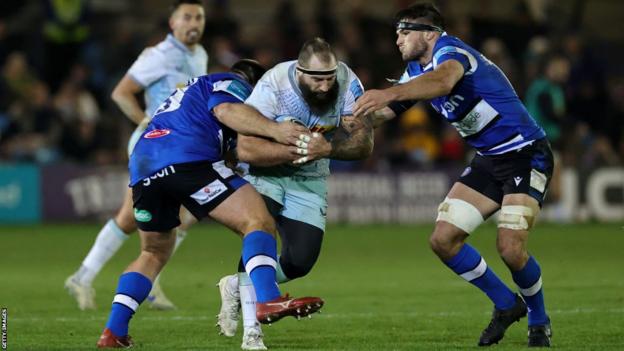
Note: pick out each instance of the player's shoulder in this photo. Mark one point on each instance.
(153, 54)
(229, 83)
(449, 40)
(278, 77)
(344, 69)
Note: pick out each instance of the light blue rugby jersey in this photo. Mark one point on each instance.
(162, 68)
(278, 97)
(483, 106)
(184, 129)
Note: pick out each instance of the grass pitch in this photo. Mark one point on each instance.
(384, 290)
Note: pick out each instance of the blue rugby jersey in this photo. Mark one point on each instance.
(184, 129)
(483, 106)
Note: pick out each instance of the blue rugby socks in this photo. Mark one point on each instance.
(529, 280)
(260, 259)
(132, 289)
(469, 265)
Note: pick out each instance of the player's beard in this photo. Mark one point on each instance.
(192, 36)
(419, 50)
(318, 102)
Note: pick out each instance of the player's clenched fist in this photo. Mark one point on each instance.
(317, 148)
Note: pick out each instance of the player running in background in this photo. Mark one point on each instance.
(510, 171)
(316, 91)
(179, 161)
(158, 71)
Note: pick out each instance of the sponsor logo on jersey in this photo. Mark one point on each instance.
(142, 215)
(157, 133)
(160, 174)
(209, 192)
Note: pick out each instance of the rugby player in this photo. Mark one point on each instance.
(319, 92)
(179, 160)
(510, 172)
(158, 71)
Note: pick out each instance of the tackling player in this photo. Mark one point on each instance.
(316, 91)
(179, 161)
(158, 71)
(510, 172)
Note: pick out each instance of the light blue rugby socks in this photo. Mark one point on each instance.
(529, 280)
(260, 259)
(469, 265)
(132, 289)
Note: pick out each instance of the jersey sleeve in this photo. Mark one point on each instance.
(231, 91)
(149, 67)
(453, 52)
(264, 98)
(355, 90)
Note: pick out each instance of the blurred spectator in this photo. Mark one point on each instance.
(288, 26)
(545, 98)
(416, 144)
(79, 113)
(220, 23)
(65, 30)
(42, 40)
(33, 129)
(326, 21)
(17, 79)
(496, 51)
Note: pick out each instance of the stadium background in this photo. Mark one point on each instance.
(63, 171)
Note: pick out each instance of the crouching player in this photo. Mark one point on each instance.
(179, 161)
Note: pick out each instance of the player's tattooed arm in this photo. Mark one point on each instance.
(354, 139)
(262, 152)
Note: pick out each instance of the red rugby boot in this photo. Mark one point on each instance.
(272, 311)
(109, 341)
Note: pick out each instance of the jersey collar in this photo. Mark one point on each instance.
(430, 63)
(178, 44)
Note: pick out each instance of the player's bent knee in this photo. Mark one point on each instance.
(460, 213)
(296, 269)
(516, 217)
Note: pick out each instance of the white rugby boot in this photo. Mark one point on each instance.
(252, 338)
(227, 319)
(84, 294)
(158, 300)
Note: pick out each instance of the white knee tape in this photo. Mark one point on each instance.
(460, 213)
(515, 217)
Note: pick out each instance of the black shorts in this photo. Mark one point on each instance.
(199, 186)
(524, 171)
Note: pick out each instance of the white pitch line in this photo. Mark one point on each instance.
(324, 315)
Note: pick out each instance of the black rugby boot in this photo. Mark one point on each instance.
(501, 320)
(539, 336)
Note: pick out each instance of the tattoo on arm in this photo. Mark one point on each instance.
(354, 139)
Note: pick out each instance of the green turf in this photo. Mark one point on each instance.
(384, 290)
